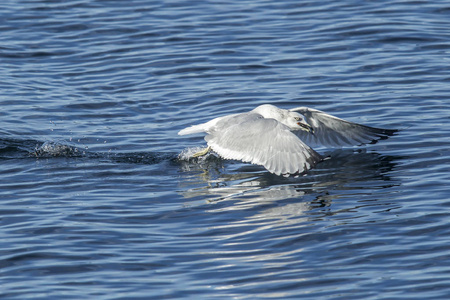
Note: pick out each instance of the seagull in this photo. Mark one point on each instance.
(279, 139)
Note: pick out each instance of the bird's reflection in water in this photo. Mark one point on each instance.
(344, 170)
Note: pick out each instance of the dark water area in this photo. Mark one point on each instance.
(96, 204)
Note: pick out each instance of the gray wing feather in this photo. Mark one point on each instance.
(251, 138)
(333, 131)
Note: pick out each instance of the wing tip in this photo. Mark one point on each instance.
(383, 134)
(390, 132)
(309, 164)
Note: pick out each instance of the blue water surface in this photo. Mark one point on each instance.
(96, 204)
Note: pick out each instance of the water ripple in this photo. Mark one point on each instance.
(96, 203)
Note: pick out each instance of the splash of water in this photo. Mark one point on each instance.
(54, 149)
(188, 153)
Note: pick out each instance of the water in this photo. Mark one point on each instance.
(94, 203)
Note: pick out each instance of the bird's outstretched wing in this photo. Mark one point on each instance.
(333, 131)
(251, 138)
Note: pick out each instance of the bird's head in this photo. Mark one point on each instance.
(297, 121)
(291, 119)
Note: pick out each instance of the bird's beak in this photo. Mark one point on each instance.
(306, 127)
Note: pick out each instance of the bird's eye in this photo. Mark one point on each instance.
(297, 118)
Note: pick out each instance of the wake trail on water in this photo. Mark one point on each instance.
(16, 148)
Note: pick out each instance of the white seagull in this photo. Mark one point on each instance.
(278, 138)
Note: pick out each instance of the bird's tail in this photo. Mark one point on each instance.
(192, 129)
